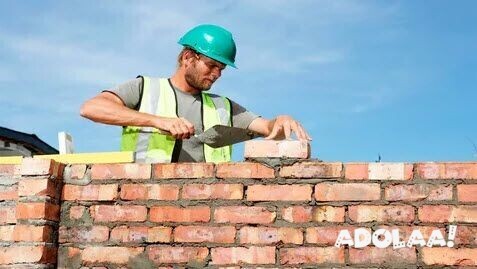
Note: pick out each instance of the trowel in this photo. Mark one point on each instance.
(218, 135)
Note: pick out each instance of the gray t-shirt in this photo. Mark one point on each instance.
(189, 107)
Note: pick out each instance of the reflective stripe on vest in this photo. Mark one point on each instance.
(159, 99)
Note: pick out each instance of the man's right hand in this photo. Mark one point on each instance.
(179, 128)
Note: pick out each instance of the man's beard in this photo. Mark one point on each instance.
(193, 79)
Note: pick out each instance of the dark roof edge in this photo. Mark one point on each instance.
(29, 140)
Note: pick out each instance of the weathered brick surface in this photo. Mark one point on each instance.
(91, 234)
(250, 255)
(394, 213)
(418, 192)
(270, 235)
(107, 192)
(449, 256)
(312, 170)
(467, 193)
(183, 170)
(223, 234)
(113, 213)
(178, 214)
(116, 255)
(27, 254)
(38, 210)
(8, 192)
(383, 257)
(446, 170)
(121, 171)
(149, 192)
(312, 255)
(277, 149)
(141, 234)
(244, 170)
(279, 193)
(448, 213)
(212, 191)
(168, 254)
(347, 192)
(243, 214)
(205, 215)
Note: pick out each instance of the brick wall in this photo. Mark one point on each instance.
(273, 214)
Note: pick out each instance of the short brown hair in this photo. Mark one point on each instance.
(181, 54)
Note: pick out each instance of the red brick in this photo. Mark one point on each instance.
(159, 234)
(121, 171)
(312, 255)
(418, 192)
(243, 214)
(467, 193)
(149, 192)
(312, 170)
(368, 213)
(168, 254)
(79, 234)
(449, 256)
(10, 170)
(277, 149)
(390, 171)
(297, 214)
(326, 235)
(447, 170)
(9, 192)
(77, 171)
(116, 255)
(212, 191)
(27, 254)
(279, 193)
(41, 210)
(109, 213)
(244, 170)
(37, 187)
(243, 255)
(347, 191)
(7, 214)
(466, 235)
(76, 212)
(270, 235)
(40, 167)
(199, 234)
(141, 234)
(108, 192)
(406, 231)
(356, 171)
(328, 214)
(183, 170)
(31, 233)
(383, 256)
(6, 233)
(179, 214)
(448, 213)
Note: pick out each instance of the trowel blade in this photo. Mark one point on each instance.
(221, 135)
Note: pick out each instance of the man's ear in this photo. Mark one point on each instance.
(188, 57)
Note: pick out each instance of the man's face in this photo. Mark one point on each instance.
(203, 72)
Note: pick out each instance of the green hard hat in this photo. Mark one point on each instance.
(213, 41)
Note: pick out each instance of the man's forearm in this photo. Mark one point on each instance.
(106, 111)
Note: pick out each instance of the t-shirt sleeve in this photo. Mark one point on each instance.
(129, 92)
(241, 117)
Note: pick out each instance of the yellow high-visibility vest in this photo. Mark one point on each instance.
(158, 98)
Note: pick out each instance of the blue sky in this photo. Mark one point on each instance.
(394, 78)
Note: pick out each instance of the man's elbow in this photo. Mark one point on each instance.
(86, 109)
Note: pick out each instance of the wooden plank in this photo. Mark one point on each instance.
(91, 158)
(11, 160)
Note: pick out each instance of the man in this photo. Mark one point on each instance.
(181, 105)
